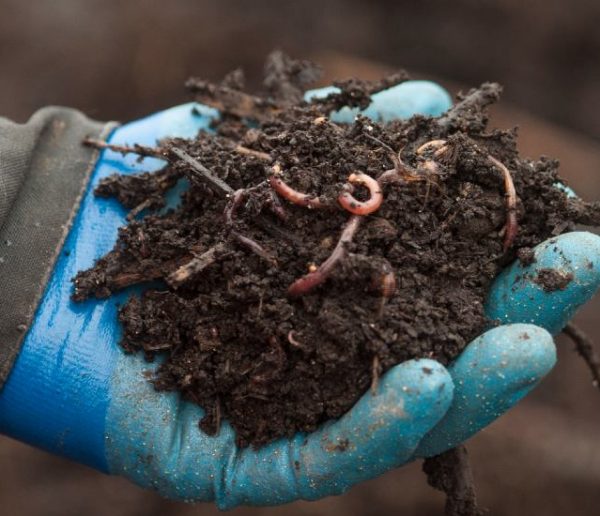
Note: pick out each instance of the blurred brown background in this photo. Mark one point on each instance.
(121, 60)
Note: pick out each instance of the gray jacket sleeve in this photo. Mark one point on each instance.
(44, 171)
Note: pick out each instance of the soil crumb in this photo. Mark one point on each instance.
(552, 279)
(307, 257)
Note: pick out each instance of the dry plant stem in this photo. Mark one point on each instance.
(140, 150)
(353, 205)
(240, 149)
(287, 192)
(511, 227)
(232, 102)
(199, 173)
(431, 144)
(586, 350)
(312, 280)
(375, 372)
(474, 101)
(254, 247)
(196, 265)
(450, 472)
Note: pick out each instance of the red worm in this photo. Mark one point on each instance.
(311, 280)
(287, 192)
(352, 204)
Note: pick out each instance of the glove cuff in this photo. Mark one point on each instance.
(44, 171)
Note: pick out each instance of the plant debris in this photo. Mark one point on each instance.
(450, 472)
(307, 257)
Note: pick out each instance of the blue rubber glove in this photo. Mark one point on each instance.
(75, 393)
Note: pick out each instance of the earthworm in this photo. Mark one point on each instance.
(287, 192)
(312, 280)
(511, 227)
(352, 204)
(236, 199)
(431, 144)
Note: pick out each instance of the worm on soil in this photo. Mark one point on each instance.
(312, 280)
(352, 204)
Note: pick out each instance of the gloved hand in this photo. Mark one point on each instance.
(75, 393)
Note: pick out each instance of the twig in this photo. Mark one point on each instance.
(232, 102)
(375, 372)
(586, 350)
(474, 101)
(255, 247)
(195, 265)
(450, 472)
(240, 149)
(200, 173)
(140, 150)
(312, 280)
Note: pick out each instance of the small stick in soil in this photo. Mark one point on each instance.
(474, 101)
(451, 473)
(287, 192)
(511, 227)
(375, 372)
(255, 247)
(352, 204)
(586, 350)
(140, 150)
(195, 265)
(240, 149)
(200, 173)
(312, 280)
(385, 284)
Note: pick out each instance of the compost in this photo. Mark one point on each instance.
(307, 257)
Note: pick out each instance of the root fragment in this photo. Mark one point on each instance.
(199, 173)
(240, 149)
(511, 227)
(255, 247)
(195, 265)
(450, 472)
(312, 280)
(140, 150)
(586, 350)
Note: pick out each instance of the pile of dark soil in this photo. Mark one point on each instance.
(307, 257)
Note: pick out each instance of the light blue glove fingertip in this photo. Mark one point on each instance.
(490, 376)
(398, 102)
(379, 433)
(517, 294)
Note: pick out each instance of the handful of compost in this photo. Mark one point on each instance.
(308, 256)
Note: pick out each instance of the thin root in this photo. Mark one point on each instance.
(195, 265)
(375, 372)
(352, 204)
(450, 472)
(140, 150)
(511, 227)
(586, 350)
(312, 280)
(255, 247)
(240, 149)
